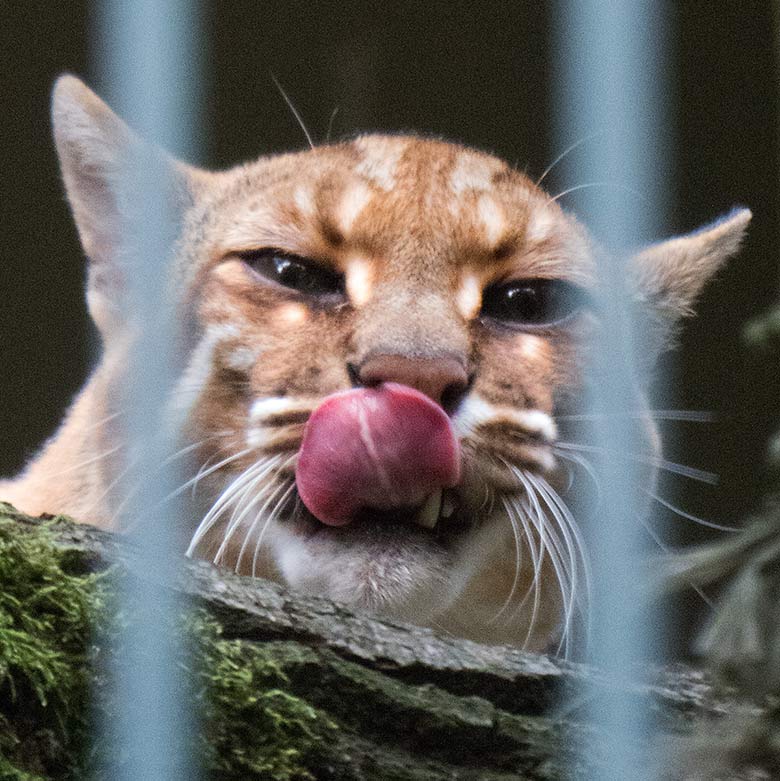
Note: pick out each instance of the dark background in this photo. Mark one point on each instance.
(478, 73)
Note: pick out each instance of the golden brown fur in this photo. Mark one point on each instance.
(420, 229)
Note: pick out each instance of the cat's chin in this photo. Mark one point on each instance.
(390, 570)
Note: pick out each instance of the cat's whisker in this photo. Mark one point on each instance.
(518, 562)
(588, 185)
(330, 124)
(271, 517)
(95, 458)
(690, 472)
(92, 460)
(516, 514)
(689, 516)
(668, 551)
(230, 494)
(260, 513)
(569, 149)
(550, 544)
(565, 555)
(244, 489)
(256, 492)
(576, 546)
(683, 415)
(583, 462)
(132, 490)
(202, 474)
(294, 111)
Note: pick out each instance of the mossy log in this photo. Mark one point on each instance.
(295, 687)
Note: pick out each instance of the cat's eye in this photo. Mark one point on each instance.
(296, 273)
(532, 302)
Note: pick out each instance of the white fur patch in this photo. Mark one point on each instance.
(537, 422)
(468, 299)
(380, 159)
(240, 358)
(257, 435)
(530, 346)
(191, 383)
(359, 279)
(471, 173)
(541, 225)
(292, 313)
(354, 200)
(474, 411)
(272, 405)
(492, 217)
(304, 201)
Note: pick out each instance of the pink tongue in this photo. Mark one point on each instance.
(383, 447)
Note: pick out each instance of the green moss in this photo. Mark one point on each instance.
(45, 618)
(254, 727)
(251, 727)
(278, 710)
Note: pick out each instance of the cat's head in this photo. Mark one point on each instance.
(382, 336)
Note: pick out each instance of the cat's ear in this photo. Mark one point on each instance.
(96, 150)
(669, 276)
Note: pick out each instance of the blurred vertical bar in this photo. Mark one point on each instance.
(147, 54)
(611, 84)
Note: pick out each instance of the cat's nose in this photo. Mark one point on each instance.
(443, 379)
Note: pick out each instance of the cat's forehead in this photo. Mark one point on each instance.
(395, 194)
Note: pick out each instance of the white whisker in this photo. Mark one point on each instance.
(271, 517)
(257, 491)
(685, 415)
(688, 516)
(587, 466)
(294, 110)
(660, 463)
(518, 560)
(93, 459)
(566, 152)
(667, 550)
(615, 185)
(193, 481)
(566, 571)
(260, 513)
(230, 494)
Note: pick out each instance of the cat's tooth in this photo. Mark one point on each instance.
(429, 512)
(447, 506)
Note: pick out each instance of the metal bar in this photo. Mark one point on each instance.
(610, 84)
(147, 57)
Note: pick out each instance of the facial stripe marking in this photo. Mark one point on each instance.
(471, 173)
(469, 297)
(359, 280)
(354, 200)
(380, 160)
(493, 220)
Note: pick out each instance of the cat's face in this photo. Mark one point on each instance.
(381, 335)
(387, 259)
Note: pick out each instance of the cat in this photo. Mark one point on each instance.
(383, 338)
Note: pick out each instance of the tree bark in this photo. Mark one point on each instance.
(403, 702)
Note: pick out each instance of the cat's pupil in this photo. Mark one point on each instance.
(531, 302)
(528, 302)
(299, 274)
(290, 273)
